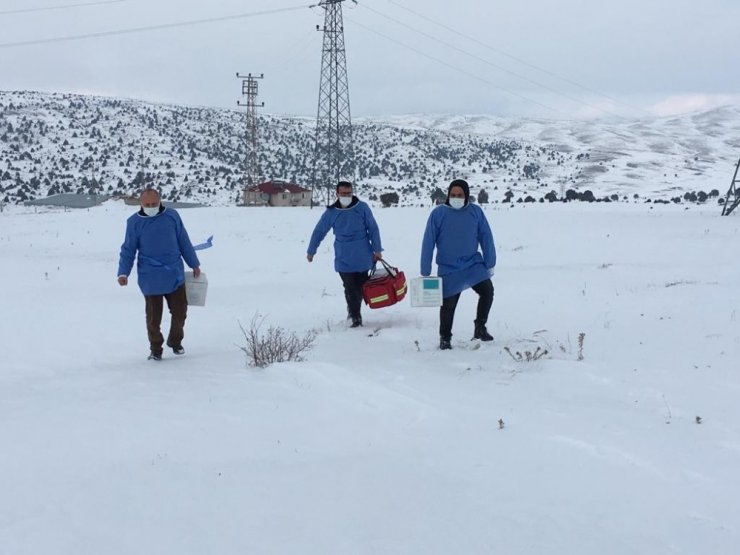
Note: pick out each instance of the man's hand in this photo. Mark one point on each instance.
(122, 281)
(196, 271)
(377, 256)
(309, 257)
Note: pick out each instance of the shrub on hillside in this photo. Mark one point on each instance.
(386, 199)
(275, 345)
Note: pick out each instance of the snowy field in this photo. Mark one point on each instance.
(377, 442)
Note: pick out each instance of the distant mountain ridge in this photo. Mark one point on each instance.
(55, 143)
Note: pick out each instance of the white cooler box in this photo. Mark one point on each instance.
(196, 289)
(426, 291)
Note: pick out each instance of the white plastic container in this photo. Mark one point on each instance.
(426, 291)
(196, 289)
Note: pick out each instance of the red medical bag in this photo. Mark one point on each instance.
(386, 289)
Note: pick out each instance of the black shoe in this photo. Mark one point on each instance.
(444, 343)
(482, 333)
(154, 356)
(178, 350)
(356, 321)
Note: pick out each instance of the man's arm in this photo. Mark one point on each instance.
(373, 234)
(485, 238)
(427, 246)
(319, 232)
(186, 248)
(127, 254)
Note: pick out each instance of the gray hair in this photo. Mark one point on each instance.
(150, 190)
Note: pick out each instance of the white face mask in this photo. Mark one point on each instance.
(457, 202)
(345, 201)
(151, 210)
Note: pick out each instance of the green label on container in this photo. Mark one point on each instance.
(431, 284)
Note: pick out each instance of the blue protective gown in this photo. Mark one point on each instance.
(356, 236)
(162, 243)
(456, 234)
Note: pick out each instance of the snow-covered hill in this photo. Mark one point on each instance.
(52, 143)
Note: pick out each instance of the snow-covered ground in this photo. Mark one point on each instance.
(377, 442)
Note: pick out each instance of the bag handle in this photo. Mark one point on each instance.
(388, 268)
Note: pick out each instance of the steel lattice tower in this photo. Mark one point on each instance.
(732, 199)
(333, 152)
(249, 89)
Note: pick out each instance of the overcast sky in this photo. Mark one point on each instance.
(554, 59)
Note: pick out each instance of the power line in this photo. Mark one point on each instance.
(297, 51)
(500, 68)
(62, 7)
(484, 80)
(655, 131)
(460, 70)
(519, 60)
(149, 27)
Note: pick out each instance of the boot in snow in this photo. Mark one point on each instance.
(481, 332)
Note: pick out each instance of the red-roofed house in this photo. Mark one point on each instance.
(277, 193)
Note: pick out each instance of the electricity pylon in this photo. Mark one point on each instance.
(732, 198)
(249, 89)
(333, 151)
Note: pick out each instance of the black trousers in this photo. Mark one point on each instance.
(449, 304)
(353, 282)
